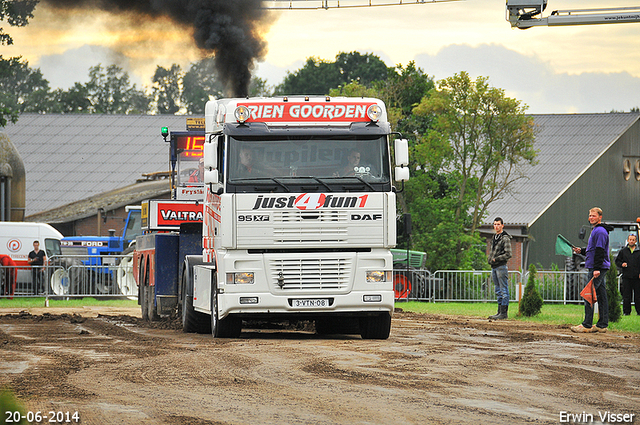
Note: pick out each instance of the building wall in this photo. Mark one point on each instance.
(92, 226)
(601, 185)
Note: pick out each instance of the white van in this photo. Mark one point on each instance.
(16, 241)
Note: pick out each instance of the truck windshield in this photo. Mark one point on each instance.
(285, 164)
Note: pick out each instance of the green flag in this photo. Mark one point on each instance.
(563, 246)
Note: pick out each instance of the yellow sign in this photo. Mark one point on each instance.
(195, 124)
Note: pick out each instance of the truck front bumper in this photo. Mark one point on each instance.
(355, 303)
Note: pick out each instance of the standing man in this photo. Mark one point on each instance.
(597, 261)
(628, 260)
(37, 259)
(499, 254)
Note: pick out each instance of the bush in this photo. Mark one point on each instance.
(613, 295)
(531, 302)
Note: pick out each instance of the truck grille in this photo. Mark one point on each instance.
(312, 273)
(303, 227)
(315, 216)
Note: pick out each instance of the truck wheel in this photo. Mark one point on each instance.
(142, 300)
(375, 327)
(229, 327)
(153, 313)
(192, 321)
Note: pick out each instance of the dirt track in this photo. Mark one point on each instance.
(112, 368)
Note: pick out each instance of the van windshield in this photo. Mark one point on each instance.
(52, 247)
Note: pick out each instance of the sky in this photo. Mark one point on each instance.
(578, 69)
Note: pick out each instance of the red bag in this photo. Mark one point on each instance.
(589, 293)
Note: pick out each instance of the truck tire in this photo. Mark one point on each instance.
(229, 327)
(192, 321)
(375, 327)
(142, 300)
(151, 296)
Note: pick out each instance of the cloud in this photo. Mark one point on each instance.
(533, 81)
(63, 70)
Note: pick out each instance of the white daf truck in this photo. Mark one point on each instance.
(299, 216)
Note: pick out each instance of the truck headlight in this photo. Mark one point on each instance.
(242, 114)
(374, 112)
(376, 276)
(240, 278)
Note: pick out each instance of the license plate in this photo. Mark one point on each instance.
(310, 303)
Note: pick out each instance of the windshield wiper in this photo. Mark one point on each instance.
(259, 180)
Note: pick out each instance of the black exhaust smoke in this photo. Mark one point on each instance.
(230, 29)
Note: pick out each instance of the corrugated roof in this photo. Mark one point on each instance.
(72, 157)
(567, 144)
(129, 195)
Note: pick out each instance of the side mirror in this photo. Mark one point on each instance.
(583, 233)
(211, 176)
(210, 153)
(402, 174)
(401, 148)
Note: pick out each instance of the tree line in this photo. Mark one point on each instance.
(469, 142)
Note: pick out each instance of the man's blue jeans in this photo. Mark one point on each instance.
(600, 285)
(500, 277)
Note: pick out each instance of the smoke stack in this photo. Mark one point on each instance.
(227, 28)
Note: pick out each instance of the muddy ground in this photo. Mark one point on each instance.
(112, 368)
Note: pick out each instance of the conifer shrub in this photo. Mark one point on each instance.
(613, 295)
(531, 302)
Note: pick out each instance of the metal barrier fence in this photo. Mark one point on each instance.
(72, 276)
(112, 276)
(476, 285)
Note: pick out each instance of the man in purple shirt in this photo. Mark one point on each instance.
(597, 261)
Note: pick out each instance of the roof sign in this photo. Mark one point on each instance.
(307, 112)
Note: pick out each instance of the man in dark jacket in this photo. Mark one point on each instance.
(499, 254)
(597, 261)
(628, 261)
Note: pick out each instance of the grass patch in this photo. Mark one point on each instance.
(70, 303)
(552, 314)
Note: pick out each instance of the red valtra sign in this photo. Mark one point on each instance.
(308, 111)
(170, 214)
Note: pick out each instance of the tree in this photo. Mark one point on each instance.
(315, 77)
(199, 85)
(485, 139)
(23, 89)
(365, 69)
(17, 13)
(259, 87)
(319, 76)
(166, 89)
(111, 92)
(73, 100)
(531, 301)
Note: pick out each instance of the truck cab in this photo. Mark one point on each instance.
(299, 216)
